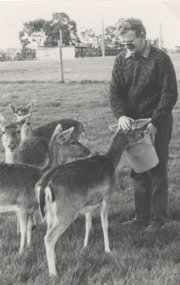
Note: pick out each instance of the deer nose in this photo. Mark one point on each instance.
(11, 146)
(87, 152)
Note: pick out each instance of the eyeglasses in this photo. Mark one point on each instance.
(128, 44)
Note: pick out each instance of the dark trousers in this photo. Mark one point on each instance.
(151, 187)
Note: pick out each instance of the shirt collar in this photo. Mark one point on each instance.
(144, 53)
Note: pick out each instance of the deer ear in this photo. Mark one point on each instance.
(2, 120)
(58, 129)
(65, 135)
(31, 105)
(26, 118)
(13, 108)
(55, 135)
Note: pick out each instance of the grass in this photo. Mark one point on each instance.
(135, 259)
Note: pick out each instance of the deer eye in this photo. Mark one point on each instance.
(3, 133)
(73, 143)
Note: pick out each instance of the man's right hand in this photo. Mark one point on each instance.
(125, 123)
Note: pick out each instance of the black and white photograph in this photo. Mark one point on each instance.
(90, 142)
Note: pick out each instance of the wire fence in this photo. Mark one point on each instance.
(45, 53)
(91, 51)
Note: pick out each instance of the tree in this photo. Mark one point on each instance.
(46, 33)
(89, 36)
(109, 35)
(155, 42)
(61, 21)
(33, 33)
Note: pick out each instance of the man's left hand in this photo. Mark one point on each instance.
(153, 130)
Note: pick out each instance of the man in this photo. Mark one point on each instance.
(143, 85)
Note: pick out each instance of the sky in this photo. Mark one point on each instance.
(88, 14)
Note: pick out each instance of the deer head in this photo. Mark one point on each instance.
(21, 111)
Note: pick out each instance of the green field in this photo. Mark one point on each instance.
(136, 259)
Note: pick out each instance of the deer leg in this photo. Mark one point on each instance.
(29, 229)
(50, 239)
(23, 218)
(18, 223)
(88, 227)
(104, 221)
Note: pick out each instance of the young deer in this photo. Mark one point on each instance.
(11, 138)
(21, 111)
(47, 129)
(17, 181)
(34, 151)
(79, 187)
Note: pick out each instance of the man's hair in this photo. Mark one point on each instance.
(131, 24)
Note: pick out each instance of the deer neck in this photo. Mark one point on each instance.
(116, 148)
(12, 157)
(27, 133)
(55, 155)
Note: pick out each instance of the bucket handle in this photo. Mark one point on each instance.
(152, 140)
(112, 127)
(147, 121)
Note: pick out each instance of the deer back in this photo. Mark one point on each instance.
(47, 130)
(80, 183)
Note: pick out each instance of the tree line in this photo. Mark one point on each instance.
(41, 32)
(46, 33)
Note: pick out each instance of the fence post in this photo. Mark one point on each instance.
(103, 50)
(160, 36)
(60, 56)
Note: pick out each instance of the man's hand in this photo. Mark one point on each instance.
(125, 123)
(153, 130)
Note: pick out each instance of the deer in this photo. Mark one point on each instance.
(21, 111)
(78, 188)
(17, 181)
(33, 151)
(11, 138)
(46, 130)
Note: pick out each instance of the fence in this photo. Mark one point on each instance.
(52, 53)
(14, 54)
(90, 51)
(48, 53)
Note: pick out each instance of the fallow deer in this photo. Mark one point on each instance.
(21, 111)
(79, 187)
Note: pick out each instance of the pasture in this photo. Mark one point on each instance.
(135, 259)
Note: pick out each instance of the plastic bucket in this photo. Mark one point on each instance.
(142, 155)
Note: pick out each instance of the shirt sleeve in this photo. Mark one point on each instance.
(168, 87)
(117, 94)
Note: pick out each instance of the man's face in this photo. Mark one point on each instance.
(133, 44)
